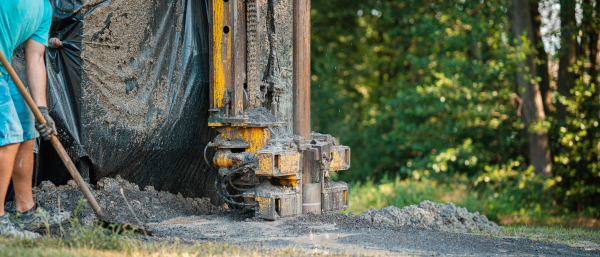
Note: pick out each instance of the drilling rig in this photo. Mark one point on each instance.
(267, 158)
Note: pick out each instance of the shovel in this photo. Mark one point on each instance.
(116, 227)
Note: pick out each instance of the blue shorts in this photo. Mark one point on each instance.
(17, 123)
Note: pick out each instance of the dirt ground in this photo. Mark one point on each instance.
(422, 229)
(340, 233)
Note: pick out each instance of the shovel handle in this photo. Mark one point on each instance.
(54, 140)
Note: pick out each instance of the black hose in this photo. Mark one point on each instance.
(237, 188)
(228, 178)
(231, 201)
(233, 171)
(227, 197)
(206, 160)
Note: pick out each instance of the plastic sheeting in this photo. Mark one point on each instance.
(129, 92)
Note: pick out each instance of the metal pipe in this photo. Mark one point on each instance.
(301, 98)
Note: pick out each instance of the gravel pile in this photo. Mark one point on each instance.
(151, 206)
(148, 205)
(427, 214)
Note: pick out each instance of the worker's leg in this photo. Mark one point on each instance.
(28, 215)
(7, 159)
(23, 163)
(11, 135)
(22, 176)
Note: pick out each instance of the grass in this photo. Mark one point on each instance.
(51, 246)
(576, 237)
(95, 241)
(100, 247)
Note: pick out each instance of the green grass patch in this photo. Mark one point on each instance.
(53, 246)
(577, 237)
(95, 241)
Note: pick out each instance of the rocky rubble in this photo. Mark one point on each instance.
(149, 205)
(152, 206)
(427, 214)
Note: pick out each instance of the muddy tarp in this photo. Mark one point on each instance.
(129, 92)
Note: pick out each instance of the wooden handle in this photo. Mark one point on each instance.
(54, 140)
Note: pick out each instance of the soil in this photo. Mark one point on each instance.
(387, 231)
(148, 204)
(427, 214)
(351, 235)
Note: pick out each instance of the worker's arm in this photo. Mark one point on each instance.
(35, 70)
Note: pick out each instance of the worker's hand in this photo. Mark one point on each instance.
(48, 128)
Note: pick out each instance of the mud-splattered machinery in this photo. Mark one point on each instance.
(266, 157)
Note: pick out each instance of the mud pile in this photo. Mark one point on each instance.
(148, 205)
(427, 214)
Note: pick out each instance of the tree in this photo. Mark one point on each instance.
(567, 55)
(542, 56)
(532, 106)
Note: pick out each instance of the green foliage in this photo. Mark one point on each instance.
(414, 78)
(426, 90)
(577, 148)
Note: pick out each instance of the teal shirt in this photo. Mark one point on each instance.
(21, 20)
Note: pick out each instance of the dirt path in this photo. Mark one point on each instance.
(341, 233)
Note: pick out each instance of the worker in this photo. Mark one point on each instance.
(28, 22)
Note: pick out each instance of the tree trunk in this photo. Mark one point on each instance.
(568, 48)
(542, 57)
(528, 88)
(594, 47)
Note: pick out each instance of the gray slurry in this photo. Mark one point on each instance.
(383, 232)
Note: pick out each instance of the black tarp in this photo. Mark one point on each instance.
(155, 133)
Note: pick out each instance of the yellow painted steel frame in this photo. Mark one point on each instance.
(255, 137)
(278, 164)
(340, 159)
(222, 82)
(222, 159)
(221, 51)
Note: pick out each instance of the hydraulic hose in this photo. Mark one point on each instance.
(224, 194)
(206, 160)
